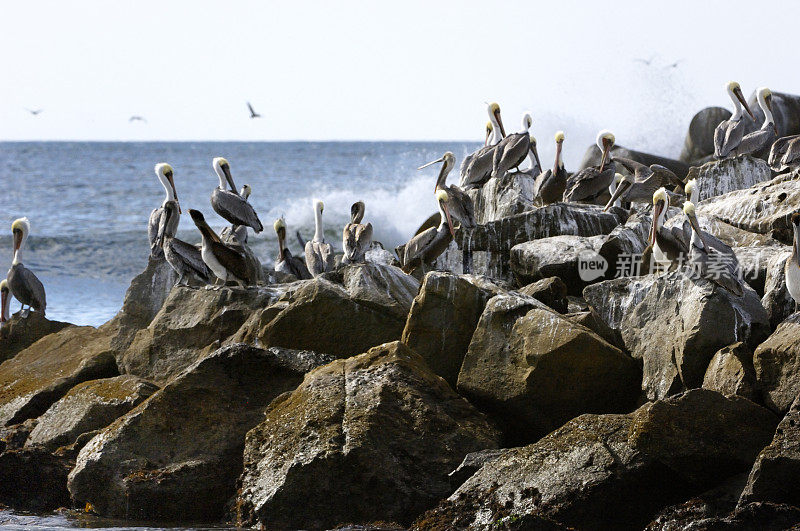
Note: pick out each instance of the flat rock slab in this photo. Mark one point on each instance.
(373, 437)
(722, 176)
(777, 365)
(177, 455)
(18, 334)
(40, 375)
(556, 256)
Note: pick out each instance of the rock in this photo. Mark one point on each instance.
(177, 455)
(593, 322)
(762, 209)
(32, 479)
(775, 476)
(40, 375)
(699, 142)
(373, 437)
(551, 291)
(727, 175)
(758, 263)
(367, 305)
(777, 365)
(87, 407)
(443, 317)
(731, 372)
(676, 324)
(192, 323)
(143, 300)
(777, 300)
(532, 370)
(556, 256)
(503, 196)
(623, 248)
(13, 437)
(614, 471)
(472, 463)
(593, 154)
(18, 334)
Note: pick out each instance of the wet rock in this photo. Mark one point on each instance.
(32, 479)
(18, 334)
(87, 407)
(593, 154)
(759, 263)
(503, 196)
(615, 471)
(775, 476)
(623, 248)
(373, 437)
(551, 291)
(443, 317)
(731, 372)
(13, 437)
(177, 455)
(472, 463)
(699, 142)
(556, 256)
(533, 370)
(593, 322)
(727, 175)
(777, 300)
(675, 325)
(37, 377)
(192, 323)
(777, 365)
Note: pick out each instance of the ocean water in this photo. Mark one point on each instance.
(89, 203)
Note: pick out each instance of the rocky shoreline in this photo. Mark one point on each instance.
(499, 391)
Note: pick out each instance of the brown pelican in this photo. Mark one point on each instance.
(478, 169)
(668, 246)
(237, 233)
(535, 167)
(590, 182)
(286, 263)
(356, 237)
(764, 137)
(707, 262)
(426, 246)
(642, 181)
(185, 259)
(228, 203)
(514, 149)
(5, 301)
(459, 204)
(225, 262)
(785, 153)
(319, 255)
(253, 113)
(22, 283)
(792, 268)
(164, 174)
(549, 186)
(729, 133)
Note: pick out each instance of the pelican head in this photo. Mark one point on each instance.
(357, 212)
(165, 175)
(796, 219)
(5, 301)
(279, 225)
(245, 191)
(223, 170)
(494, 114)
(735, 91)
(691, 189)
(319, 206)
(623, 182)
(765, 102)
(527, 121)
(660, 204)
(449, 161)
(20, 229)
(605, 141)
(688, 209)
(559, 137)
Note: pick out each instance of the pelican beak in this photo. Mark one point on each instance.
(657, 208)
(449, 221)
(696, 227)
(536, 155)
(488, 134)
(740, 97)
(500, 123)
(431, 163)
(3, 302)
(606, 148)
(174, 191)
(624, 185)
(227, 171)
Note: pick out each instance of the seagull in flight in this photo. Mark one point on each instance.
(253, 113)
(137, 118)
(34, 112)
(645, 61)
(675, 64)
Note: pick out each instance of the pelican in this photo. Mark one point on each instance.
(477, 168)
(692, 191)
(760, 139)
(319, 255)
(286, 263)
(225, 262)
(792, 268)
(356, 237)
(785, 153)
(5, 301)
(426, 246)
(668, 247)
(459, 204)
(550, 185)
(642, 181)
(514, 149)
(22, 283)
(164, 174)
(729, 133)
(237, 233)
(185, 259)
(590, 182)
(228, 203)
(707, 262)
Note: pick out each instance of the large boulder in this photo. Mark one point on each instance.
(503, 196)
(759, 263)
(37, 377)
(177, 455)
(777, 300)
(676, 324)
(699, 142)
(777, 365)
(556, 256)
(533, 369)
(614, 471)
(32, 479)
(551, 291)
(443, 317)
(19, 333)
(722, 176)
(731, 372)
(87, 407)
(372, 437)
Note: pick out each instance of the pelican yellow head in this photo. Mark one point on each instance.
(733, 86)
(690, 187)
(560, 136)
(660, 195)
(688, 209)
(279, 224)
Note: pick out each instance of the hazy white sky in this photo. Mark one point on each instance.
(374, 70)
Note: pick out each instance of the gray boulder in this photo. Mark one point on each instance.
(17, 333)
(727, 175)
(699, 142)
(503, 196)
(556, 256)
(777, 365)
(731, 372)
(777, 300)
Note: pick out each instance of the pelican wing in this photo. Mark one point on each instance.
(349, 239)
(589, 183)
(755, 141)
(461, 207)
(363, 240)
(319, 257)
(231, 259)
(26, 287)
(152, 230)
(510, 153)
(186, 256)
(640, 171)
(479, 169)
(727, 137)
(416, 246)
(235, 209)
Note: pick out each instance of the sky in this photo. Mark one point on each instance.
(411, 70)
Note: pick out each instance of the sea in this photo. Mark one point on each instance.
(89, 203)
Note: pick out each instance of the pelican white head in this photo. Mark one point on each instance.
(527, 122)
(319, 206)
(497, 122)
(223, 170)
(692, 191)
(605, 141)
(165, 176)
(20, 229)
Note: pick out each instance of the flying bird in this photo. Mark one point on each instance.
(34, 112)
(137, 118)
(253, 113)
(647, 62)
